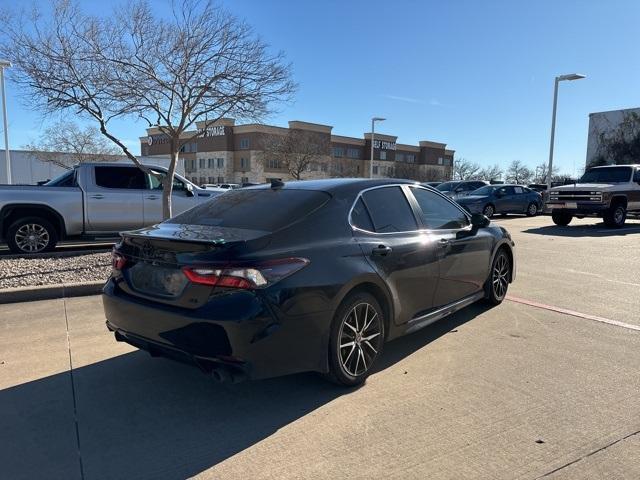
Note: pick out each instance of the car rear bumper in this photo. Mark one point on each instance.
(258, 342)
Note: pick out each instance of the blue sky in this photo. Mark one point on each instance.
(475, 75)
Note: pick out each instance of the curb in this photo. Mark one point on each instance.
(49, 292)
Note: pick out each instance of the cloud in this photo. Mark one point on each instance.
(434, 102)
(403, 99)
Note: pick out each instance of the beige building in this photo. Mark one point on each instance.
(224, 152)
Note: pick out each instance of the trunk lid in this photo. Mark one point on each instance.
(155, 256)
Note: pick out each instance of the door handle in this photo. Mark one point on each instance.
(381, 250)
(152, 197)
(443, 242)
(97, 196)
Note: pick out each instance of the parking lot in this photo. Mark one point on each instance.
(545, 385)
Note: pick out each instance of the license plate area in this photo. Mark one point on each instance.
(157, 280)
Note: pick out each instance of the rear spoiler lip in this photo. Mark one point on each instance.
(155, 233)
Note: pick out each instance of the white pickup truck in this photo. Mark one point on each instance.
(93, 199)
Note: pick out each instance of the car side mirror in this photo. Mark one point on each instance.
(479, 221)
(190, 190)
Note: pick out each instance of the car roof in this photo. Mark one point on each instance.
(338, 184)
(636, 165)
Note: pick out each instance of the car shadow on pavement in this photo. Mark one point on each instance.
(153, 418)
(594, 230)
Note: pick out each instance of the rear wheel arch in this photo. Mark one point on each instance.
(379, 294)
(11, 213)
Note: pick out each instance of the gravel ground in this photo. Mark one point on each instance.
(30, 272)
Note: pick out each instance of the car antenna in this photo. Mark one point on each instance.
(275, 184)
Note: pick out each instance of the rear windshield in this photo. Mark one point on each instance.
(607, 175)
(261, 209)
(447, 186)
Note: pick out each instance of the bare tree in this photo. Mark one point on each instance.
(621, 145)
(66, 144)
(465, 170)
(490, 173)
(541, 171)
(198, 64)
(518, 173)
(344, 168)
(297, 150)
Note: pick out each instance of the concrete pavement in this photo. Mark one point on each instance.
(509, 392)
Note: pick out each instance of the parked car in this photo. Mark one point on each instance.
(492, 199)
(213, 188)
(93, 199)
(609, 192)
(302, 276)
(430, 184)
(458, 189)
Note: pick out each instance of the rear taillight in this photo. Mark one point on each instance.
(259, 275)
(118, 261)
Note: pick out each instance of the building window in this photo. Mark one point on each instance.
(338, 152)
(244, 180)
(440, 161)
(244, 143)
(447, 161)
(390, 171)
(210, 163)
(375, 170)
(399, 157)
(202, 163)
(220, 162)
(353, 153)
(324, 167)
(190, 147)
(410, 158)
(313, 167)
(383, 154)
(273, 163)
(211, 180)
(220, 179)
(244, 163)
(202, 180)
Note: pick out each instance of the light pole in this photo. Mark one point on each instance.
(559, 78)
(373, 134)
(5, 64)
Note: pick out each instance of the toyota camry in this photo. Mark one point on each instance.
(302, 276)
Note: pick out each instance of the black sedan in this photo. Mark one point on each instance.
(502, 199)
(313, 275)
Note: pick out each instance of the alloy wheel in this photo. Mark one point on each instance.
(533, 209)
(32, 237)
(488, 211)
(360, 339)
(500, 277)
(618, 215)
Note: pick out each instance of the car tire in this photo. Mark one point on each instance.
(561, 218)
(356, 339)
(31, 235)
(532, 209)
(497, 284)
(489, 210)
(615, 216)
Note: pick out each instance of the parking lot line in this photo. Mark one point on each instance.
(573, 313)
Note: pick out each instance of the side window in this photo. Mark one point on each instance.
(390, 210)
(360, 216)
(131, 178)
(636, 176)
(478, 185)
(155, 183)
(437, 212)
(518, 190)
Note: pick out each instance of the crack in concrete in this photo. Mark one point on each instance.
(73, 390)
(588, 455)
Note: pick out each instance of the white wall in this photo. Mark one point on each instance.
(27, 169)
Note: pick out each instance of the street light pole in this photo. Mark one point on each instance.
(560, 78)
(5, 64)
(373, 134)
